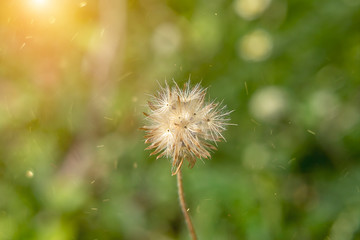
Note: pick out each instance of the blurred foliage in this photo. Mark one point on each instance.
(74, 80)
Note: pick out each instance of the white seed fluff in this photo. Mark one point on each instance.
(182, 125)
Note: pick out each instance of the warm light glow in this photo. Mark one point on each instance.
(44, 10)
(39, 3)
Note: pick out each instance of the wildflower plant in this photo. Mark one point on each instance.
(184, 126)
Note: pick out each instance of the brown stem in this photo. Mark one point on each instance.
(183, 206)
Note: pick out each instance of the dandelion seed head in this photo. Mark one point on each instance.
(183, 125)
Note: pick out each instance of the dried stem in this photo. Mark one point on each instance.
(183, 206)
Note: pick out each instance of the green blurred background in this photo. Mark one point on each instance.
(74, 80)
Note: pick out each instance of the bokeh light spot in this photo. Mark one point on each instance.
(324, 104)
(269, 104)
(256, 156)
(29, 174)
(352, 2)
(251, 9)
(166, 39)
(256, 46)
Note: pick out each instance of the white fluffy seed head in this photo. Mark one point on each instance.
(182, 125)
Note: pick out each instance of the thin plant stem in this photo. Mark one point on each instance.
(183, 205)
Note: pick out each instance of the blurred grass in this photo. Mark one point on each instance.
(74, 79)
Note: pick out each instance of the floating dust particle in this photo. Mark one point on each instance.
(110, 119)
(135, 165)
(74, 36)
(188, 209)
(92, 181)
(124, 76)
(82, 4)
(106, 200)
(22, 46)
(52, 20)
(29, 174)
(216, 14)
(246, 88)
(94, 209)
(8, 108)
(255, 122)
(291, 160)
(281, 167)
(100, 146)
(311, 132)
